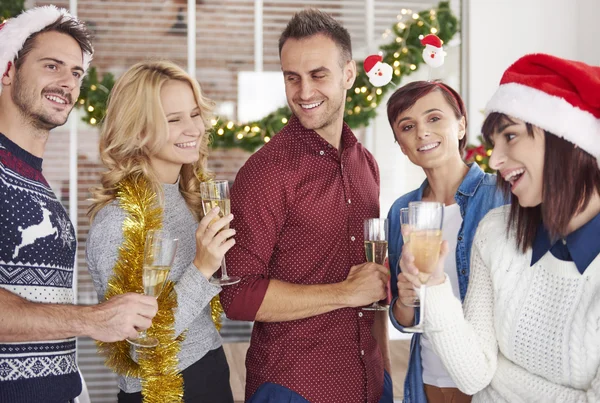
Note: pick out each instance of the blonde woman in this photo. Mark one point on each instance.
(154, 138)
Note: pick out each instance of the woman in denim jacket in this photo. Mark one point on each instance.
(429, 121)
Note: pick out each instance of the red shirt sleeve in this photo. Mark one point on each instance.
(258, 205)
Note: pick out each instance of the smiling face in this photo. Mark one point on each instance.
(519, 158)
(46, 86)
(186, 129)
(429, 132)
(316, 80)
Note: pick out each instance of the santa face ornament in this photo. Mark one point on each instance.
(433, 54)
(379, 73)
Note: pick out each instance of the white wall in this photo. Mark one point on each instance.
(499, 32)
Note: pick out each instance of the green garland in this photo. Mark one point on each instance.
(403, 53)
(10, 8)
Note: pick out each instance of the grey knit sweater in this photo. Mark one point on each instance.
(194, 292)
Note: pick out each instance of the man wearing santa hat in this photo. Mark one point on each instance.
(45, 53)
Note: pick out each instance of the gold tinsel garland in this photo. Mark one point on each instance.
(156, 367)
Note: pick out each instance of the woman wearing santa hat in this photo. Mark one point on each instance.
(429, 121)
(531, 320)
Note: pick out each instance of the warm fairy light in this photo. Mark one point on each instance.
(401, 25)
(357, 109)
(349, 99)
(240, 136)
(432, 11)
(413, 67)
(90, 108)
(415, 16)
(350, 112)
(93, 121)
(396, 63)
(405, 50)
(82, 101)
(370, 98)
(397, 72)
(363, 89)
(396, 55)
(478, 158)
(220, 132)
(421, 37)
(398, 39)
(434, 30)
(284, 120)
(213, 122)
(357, 90)
(267, 139)
(247, 129)
(489, 153)
(256, 129)
(420, 23)
(93, 87)
(403, 11)
(373, 104)
(230, 125)
(379, 92)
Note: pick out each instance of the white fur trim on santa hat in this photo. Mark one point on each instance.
(16, 30)
(548, 112)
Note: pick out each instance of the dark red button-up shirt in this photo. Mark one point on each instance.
(298, 211)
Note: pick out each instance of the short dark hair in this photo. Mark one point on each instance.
(569, 180)
(406, 96)
(70, 26)
(312, 22)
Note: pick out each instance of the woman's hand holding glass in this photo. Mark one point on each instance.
(213, 240)
(410, 272)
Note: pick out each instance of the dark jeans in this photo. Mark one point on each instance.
(207, 380)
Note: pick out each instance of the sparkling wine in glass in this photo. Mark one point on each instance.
(376, 245)
(425, 220)
(216, 193)
(159, 252)
(405, 231)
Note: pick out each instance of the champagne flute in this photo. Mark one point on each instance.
(216, 193)
(376, 244)
(425, 220)
(405, 230)
(159, 253)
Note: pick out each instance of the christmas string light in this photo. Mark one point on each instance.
(403, 52)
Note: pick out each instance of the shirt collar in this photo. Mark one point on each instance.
(316, 141)
(582, 244)
(467, 187)
(20, 153)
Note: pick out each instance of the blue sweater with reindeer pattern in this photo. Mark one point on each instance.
(37, 255)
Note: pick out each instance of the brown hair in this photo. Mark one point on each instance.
(70, 26)
(406, 96)
(312, 22)
(569, 180)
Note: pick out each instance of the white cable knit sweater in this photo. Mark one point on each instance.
(528, 334)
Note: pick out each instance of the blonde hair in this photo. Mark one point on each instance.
(135, 128)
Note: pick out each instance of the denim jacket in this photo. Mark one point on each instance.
(476, 195)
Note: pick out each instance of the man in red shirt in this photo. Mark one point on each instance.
(299, 204)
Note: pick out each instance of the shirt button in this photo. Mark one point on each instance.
(352, 238)
(349, 201)
(360, 314)
(460, 238)
(322, 152)
(362, 352)
(329, 146)
(463, 272)
(564, 241)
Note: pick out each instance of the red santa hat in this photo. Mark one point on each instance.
(432, 40)
(558, 95)
(15, 31)
(371, 61)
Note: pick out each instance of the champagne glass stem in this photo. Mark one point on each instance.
(224, 269)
